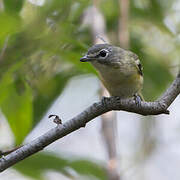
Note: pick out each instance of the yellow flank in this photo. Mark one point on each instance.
(121, 84)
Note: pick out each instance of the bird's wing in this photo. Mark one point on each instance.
(137, 62)
(140, 68)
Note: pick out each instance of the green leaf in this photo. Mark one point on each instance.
(86, 167)
(9, 25)
(13, 6)
(35, 165)
(16, 104)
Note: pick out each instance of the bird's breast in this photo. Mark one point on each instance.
(121, 82)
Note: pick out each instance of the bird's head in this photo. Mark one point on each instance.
(102, 54)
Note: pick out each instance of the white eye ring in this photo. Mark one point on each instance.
(103, 53)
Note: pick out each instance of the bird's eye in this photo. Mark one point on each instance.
(103, 53)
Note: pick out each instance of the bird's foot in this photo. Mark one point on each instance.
(137, 99)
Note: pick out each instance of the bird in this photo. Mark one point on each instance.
(119, 70)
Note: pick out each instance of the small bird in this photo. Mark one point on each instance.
(119, 70)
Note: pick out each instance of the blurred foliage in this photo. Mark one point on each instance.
(40, 47)
(46, 62)
(16, 95)
(13, 6)
(37, 164)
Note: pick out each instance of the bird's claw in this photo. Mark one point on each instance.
(137, 99)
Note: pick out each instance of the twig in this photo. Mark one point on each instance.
(113, 103)
(123, 32)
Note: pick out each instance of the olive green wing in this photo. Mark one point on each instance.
(137, 62)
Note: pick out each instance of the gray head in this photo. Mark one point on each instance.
(102, 53)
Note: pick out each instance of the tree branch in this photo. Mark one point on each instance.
(108, 104)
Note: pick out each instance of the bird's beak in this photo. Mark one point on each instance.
(85, 59)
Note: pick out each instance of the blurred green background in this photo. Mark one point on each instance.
(41, 43)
